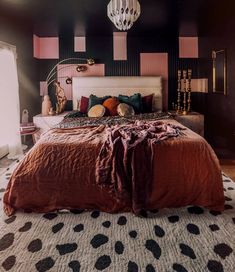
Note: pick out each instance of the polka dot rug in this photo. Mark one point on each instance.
(169, 240)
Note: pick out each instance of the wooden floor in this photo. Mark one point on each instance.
(228, 167)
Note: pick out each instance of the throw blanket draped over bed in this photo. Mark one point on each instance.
(124, 164)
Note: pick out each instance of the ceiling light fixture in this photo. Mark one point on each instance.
(123, 13)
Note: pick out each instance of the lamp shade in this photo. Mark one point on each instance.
(123, 13)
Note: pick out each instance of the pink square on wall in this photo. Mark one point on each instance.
(79, 44)
(188, 47)
(43, 88)
(119, 46)
(46, 47)
(156, 64)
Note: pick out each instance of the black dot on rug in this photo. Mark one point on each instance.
(35, 245)
(2, 190)
(27, 226)
(230, 188)
(75, 266)
(98, 240)
(66, 248)
(228, 198)
(173, 218)
(187, 251)
(154, 211)
(194, 229)
(159, 232)
(76, 211)
(45, 264)
(154, 248)
(106, 224)
(133, 234)
(214, 227)
(56, 228)
(78, 228)
(6, 241)
(10, 219)
(195, 210)
(9, 262)
(122, 221)
(132, 267)
(50, 216)
(95, 214)
(233, 220)
(215, 266)
(223, 250)
(143, 213)
(179, 268)
(150, 268)
(103, 262)
(119, 247)
(215, 213)
(226, 180)
(228, 207)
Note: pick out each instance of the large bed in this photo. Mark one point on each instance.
(60, 171)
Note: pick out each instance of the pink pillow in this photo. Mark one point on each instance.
(147, 102)
(84, 104)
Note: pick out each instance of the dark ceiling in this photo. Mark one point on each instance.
(88, 17)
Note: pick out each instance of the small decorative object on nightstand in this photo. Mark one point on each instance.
(186, 89)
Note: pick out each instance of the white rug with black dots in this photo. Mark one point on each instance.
(187, 239)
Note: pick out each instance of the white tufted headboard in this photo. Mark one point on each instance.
(100, 86)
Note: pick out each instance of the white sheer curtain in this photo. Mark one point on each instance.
(9, 101)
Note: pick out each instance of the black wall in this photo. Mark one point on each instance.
(101, 49)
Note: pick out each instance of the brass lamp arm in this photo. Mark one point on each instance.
(62, 61)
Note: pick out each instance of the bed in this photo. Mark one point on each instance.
(60, 171)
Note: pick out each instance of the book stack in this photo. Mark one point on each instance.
(27, 128)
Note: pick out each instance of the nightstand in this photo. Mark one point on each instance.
(44, 123)
(193, 120)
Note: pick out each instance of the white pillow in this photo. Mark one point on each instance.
(96, 111)
(125, 110)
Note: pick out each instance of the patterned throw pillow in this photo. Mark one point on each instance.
(147, 103)
(95, 100)
(133, 100)
(96, 111)
(125, 110)
(111, 105)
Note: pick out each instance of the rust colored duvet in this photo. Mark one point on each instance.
(59, 173)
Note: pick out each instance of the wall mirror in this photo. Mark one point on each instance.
(219, 71)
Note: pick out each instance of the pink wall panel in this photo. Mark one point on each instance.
(188, 47)
(43, 88)
(36, 47)
(46, 47)
(79, 44)
(49, 48)
(69, 70)
(119, 46)
(156, 64)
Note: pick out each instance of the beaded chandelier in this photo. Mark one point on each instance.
(123, 13)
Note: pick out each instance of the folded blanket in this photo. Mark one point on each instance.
(124, 164)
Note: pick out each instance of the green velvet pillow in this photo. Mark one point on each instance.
(95, 100)
(133, 100)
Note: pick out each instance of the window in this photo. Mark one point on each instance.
(9, 101)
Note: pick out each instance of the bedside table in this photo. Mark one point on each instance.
(44, 123)
(193, 120)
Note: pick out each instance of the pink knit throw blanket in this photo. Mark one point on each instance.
(125, 161)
